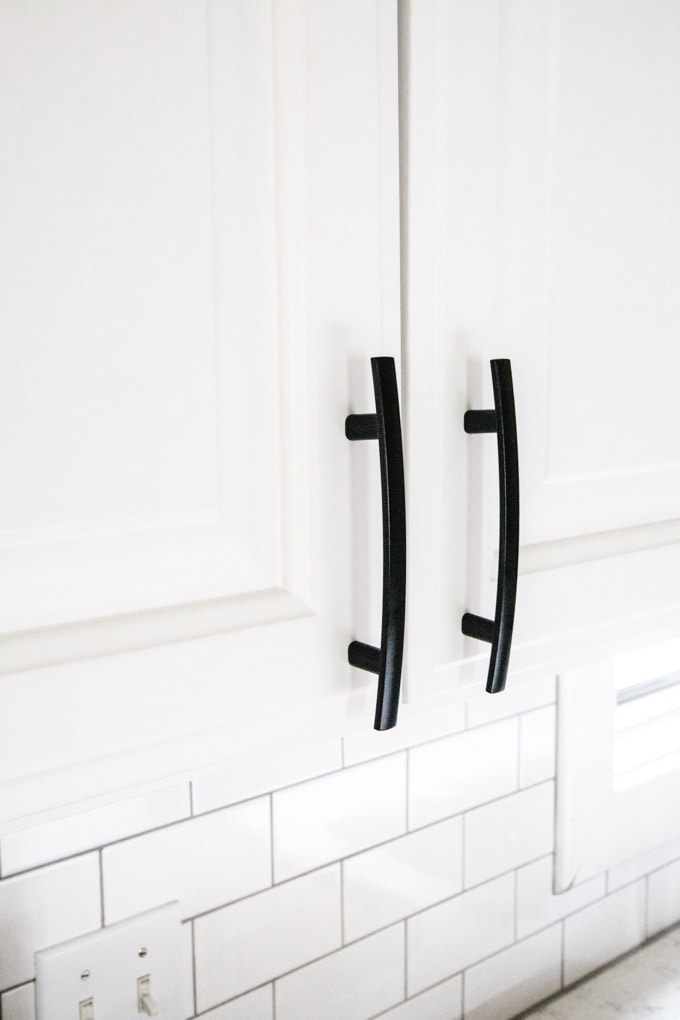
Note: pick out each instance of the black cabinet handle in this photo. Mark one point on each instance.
(385, 426)
(502, 421)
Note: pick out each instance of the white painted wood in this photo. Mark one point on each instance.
(199, 254)
(543, 222)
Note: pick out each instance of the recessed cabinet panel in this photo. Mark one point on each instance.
(200, 254)
(140, 309)
(589, 230)
(543, 218)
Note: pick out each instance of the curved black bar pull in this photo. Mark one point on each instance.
(385, 426)
(502, 421)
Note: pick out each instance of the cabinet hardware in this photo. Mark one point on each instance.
(385, 426)
(501, 421)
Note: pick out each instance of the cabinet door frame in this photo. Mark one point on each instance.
(132, 693)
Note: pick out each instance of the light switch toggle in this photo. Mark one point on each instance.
(87, 1009)
(145, 1000)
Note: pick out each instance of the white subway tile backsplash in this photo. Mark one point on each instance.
(603, 931)
(508, 833)
(383, 885)
(257, 1005)
(447, 938)
(537, 905)
(460, 772)
(372, 901)
(507, 984)
(414, 728)
(537, 740)
(519, 697)
(203, 863)
(356, 983)
(43, 908)
(443, 1002)
(250, 942)
(327, 819)
(241, 782)
(19, 1004)
(663, 907)
(64, 837)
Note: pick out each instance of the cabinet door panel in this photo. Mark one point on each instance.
(199, 256)
(543, 216)
(590, 229)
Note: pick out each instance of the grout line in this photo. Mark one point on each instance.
(193, 965)
(408, 790)
(516, 893)
(274, 1004)
(563, 952)
(271, 838)
(192, 813)
(519, 752)
(463, 847)
(101, 886)
(342, 902)
(405, 961)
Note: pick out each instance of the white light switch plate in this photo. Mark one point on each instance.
(106, 966)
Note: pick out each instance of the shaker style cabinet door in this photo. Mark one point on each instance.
(543, 225)
(199, 254)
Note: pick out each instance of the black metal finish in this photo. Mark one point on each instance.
(385, 426)
(502, 421)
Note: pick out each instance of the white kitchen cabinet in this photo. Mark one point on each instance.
(543, 225)
(199, 249)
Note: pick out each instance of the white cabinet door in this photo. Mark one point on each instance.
(199, 253)
(543, 221)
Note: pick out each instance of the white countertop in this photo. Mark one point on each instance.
(644, 984)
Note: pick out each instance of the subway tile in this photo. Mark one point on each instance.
(257, 939)
(519, 977)
(242, 782)
(329, 818)
(187, 1005)
(663, 898)
(603, 931)
(519, 697)
(65, 837)
(446, 939)
(414, 728)
(19, 1004)
(508, 833)
(443, 1002)
(204, 863)
(257, 1005)
(386, 884)
(643, 864)
(356, 983)
(537, 740)
(538, 907)
(452, 775)
(43, 908)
